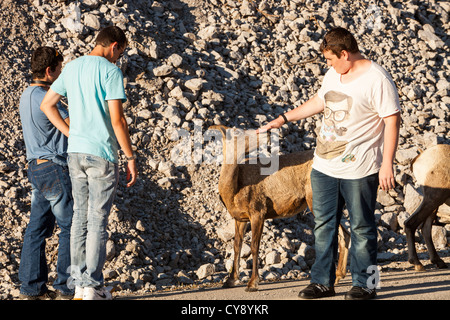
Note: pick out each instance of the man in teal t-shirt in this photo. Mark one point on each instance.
(93, 85)
(89, 82)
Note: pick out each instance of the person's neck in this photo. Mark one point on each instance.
(358, 62)
(43, 82)
(100, 51)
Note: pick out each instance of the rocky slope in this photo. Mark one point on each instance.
(194, 63)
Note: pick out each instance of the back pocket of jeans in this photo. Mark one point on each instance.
(48, 184)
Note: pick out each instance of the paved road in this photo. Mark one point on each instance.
(279, 300)
(433, 284)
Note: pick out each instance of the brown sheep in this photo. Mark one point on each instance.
(432, 172)
(252, 197)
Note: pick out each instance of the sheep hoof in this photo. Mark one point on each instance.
(419, 268)
(230, 283)
(338, 279)
(441, 264)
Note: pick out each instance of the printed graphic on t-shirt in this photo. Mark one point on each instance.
(337, 109)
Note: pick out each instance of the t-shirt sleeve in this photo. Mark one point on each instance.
(114, 86)
(59, 86)
(385, 98)
(321, 92)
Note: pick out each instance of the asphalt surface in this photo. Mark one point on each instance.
(404, 292)
(432, 284)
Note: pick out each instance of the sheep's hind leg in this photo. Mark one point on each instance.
(233, 279)
(411, 224)
(426, 231)
(257, 224)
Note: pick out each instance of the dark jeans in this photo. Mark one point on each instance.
(329, 197)
(51, 199)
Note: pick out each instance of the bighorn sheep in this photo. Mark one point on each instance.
(250, 196)
(432, 172)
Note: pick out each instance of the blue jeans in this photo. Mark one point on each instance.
(329, 197)
(94, 183)
(51, 199)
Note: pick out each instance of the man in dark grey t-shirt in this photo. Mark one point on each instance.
(51, 197)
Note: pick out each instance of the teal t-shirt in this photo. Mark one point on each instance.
(88, 83)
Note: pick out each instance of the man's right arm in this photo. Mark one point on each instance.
(49, 107)
(309, 108)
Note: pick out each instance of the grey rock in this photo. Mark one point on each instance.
(205, 271)
(405, 156)
(92, 21)
(389, 219)
(273, 257)
(172, 114)
(385, 198)
(162, 71)
(194, 84)
(413, 198)
(439, 236)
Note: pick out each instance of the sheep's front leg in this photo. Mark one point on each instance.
(257, 224)
(233, 279)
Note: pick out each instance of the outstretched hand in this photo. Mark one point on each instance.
(274, 124)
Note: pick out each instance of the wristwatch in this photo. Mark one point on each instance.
(132, 157)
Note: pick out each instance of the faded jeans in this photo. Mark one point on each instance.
(51, 199)
(329, 197)
(94, 183)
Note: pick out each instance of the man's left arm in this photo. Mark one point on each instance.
(48, 106)
(391, 133)
(120, 128)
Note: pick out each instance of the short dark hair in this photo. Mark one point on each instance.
(42, 58)
(110, 35)
(338, 39)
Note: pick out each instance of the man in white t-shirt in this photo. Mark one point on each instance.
(354, 155)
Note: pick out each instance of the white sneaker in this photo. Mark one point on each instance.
(78, 293)
(96, 294)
